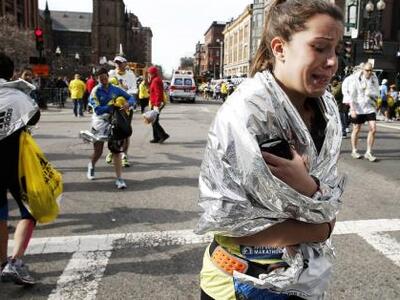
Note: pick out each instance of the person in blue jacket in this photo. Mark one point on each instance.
(102, 101)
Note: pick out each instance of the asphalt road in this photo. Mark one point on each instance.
(162, 197)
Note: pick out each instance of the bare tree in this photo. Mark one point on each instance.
(17, 43)
(187, 63)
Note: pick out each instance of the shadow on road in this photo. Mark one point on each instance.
(180, 262)
(119, 217)
(134, 185)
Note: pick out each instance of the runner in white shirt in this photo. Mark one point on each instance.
(127, 81)
(364, 88)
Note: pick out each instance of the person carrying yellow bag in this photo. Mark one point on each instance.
(17, 110)
(40, 183)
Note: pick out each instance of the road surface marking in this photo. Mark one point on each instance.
(385, 244)
(205, 109)
(366, 226)
(81, 276)
(388, 126)
(105, 242)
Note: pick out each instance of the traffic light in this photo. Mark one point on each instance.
(39, 39)
(348, 49)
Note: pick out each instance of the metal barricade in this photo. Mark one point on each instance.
(54, 96)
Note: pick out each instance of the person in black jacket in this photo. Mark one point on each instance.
(17, 110)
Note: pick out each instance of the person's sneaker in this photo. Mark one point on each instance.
(120, 184)
(154, 141)
(369, 156)
(355, 154)
(125, 162)
(90, 172)
(109, 158)
(162, 140)
(16, 271)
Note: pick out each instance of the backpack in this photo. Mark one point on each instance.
(121, 124)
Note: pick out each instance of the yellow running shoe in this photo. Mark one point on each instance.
(109, 158)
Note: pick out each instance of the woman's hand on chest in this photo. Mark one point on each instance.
(293, 172)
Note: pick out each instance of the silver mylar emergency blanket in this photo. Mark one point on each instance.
(16, 106)
(100, 129)
(239, 194)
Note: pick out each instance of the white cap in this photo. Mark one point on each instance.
(384, 81)
(120, 59)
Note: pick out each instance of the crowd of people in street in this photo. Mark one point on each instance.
(110, 98)
(218, 89)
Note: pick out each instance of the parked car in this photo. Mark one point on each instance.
(182, 87)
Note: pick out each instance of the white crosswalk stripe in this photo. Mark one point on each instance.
(392, 126)
(385, 244)
(71, 244)
(91, 254)
(81, 277)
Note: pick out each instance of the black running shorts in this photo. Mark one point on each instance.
(361, 119)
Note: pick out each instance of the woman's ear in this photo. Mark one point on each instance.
(278, 48)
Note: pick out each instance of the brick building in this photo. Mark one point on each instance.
(199, 62)
(212, 50)
(142, 36)
(25, 12)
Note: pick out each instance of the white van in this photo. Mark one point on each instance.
(182, 86)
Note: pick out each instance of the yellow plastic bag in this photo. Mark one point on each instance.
(390, 101)
(378, 102)
(165, 98)
(41, 184)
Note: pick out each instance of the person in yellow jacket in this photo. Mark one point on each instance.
(77, 89)
(224, 91)
(144, 94)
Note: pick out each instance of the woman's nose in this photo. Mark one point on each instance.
(331, 60)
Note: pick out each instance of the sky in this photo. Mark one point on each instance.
(177, 25)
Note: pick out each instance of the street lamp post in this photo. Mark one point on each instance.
(199, 53)
(103, 60)
(221, 58)
(215, 72)
(373, 38)
(58, 61)
(221, 65)
(77, 58)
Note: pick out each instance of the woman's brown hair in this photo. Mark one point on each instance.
(283, 19)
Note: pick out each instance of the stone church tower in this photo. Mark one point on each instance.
(108, 29)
